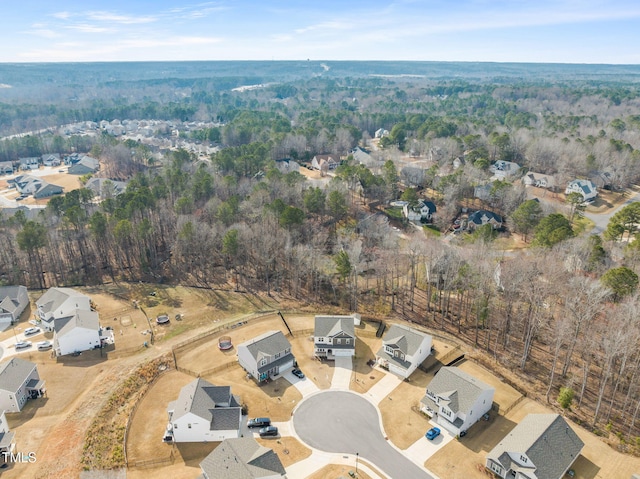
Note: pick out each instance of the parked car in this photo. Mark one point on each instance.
(432, 433)
(31, 331)
(268, 431)
(259, 422)
(297, 373)
(23, 345)
(44, 345)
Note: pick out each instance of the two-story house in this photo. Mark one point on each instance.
(60, 303)
(539, 180)
(586, 188)
(484, 217)
(335, 336)
(204, 413)
(242, 458)
(13, 301)
(542, 446)
(80, 331)
(7, 443)
(423, 211)
(403, 350)
(266, 356)
(19, 381)
(456, 400)
(503, 170)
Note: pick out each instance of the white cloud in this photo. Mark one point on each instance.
(42, 32)
(62, 15)
(116, 18)
(87, 28)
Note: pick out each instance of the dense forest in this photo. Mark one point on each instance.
(562, 311)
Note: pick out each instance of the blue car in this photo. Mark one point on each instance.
(432, 433)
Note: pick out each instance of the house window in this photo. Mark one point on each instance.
(287, 351)
(495, 468)
(523, 459)
(263, 362)
(347, 341)
(189, 426)
(338, 341)
(277, 355)
(321, 340)
(175, 426)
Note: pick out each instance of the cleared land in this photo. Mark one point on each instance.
(335, 471)
(364, 375)
(288, 449)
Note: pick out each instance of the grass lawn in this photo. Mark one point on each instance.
(320, 372)
(288, 449)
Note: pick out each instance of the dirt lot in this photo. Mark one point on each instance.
(335, 471)
(364, 376)
(288, 449)
(144, 441)
(403, 422)
(320, 372)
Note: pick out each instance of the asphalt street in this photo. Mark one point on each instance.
(343, 422)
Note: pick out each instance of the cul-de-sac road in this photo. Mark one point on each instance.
(344, 422)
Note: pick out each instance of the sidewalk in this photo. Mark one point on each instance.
(382, 388)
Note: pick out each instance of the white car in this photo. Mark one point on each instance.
(23, 345)
(31, 331)
(44, 345)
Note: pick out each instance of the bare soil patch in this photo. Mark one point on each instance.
(364, 375)
(288, 449)
(144, 441)
(320, 372)
(275, 399)
(337, 471)
(403, 422)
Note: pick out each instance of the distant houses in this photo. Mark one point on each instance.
(35, 186)
(51, 159)
(539, 180)
(31, 163)
(266, 356)
(287, 165)
(6, 167)
(86, 165)
(204, 413)
(324, 163)
(104, 188)
(504, 170)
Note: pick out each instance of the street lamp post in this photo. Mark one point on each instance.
(357, 454)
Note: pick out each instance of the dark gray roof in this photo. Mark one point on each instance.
(460, 388)
(477, 217)
(79, 319)
(266, 345)
(14, 372)
(407, 340)
(215, 404)
(278, 362)
(546, 439)
(329, 326)
(242, 458)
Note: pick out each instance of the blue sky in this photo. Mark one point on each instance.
(568, 31)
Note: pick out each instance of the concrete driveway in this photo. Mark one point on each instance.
(423, 448)
(305, 386)
(344, 422)
(343, 367)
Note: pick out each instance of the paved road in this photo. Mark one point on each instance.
(343, 422)
(602, 220)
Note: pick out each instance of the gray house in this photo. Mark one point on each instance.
(84, 166)
(104, 188)
(204, 412)
(456, 400)
(266, 356)
(403, 350)
(542, 446)
(13, 301)
(19, 381)
(242, 458)
(335, 336)
(31, 163)
(6, 167)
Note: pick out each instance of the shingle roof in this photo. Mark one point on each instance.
(215, 404)
(14, 372)
(406, 339)
(9, 302)
(242, 458)
(477, 217)
(329, 326)
(460, 388)
(54, 297)
(266, 345)
(79, 319)
(546, 439)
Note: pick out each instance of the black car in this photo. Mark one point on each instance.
(268, 431)
(297, 373)
(259, 422)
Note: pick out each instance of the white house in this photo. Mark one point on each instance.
(19, 381)
(242, 458)
(51, 159)
(7, 443)
(381, 133)
(266, 356)
(422, 212)
(6, 167)
(504, 170)
(60, 303)
(542, 446)
(335, 336)
(75, 333)
(539, 180)
(403, 350)
(456, 400)
(585, 187)
(29, 163)
(13, 301)
(287, 165)
(204, 413)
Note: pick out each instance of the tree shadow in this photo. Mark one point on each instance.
(193, 453)
(28, 412)
(483, 436)
(86, 359)
(584, 468)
